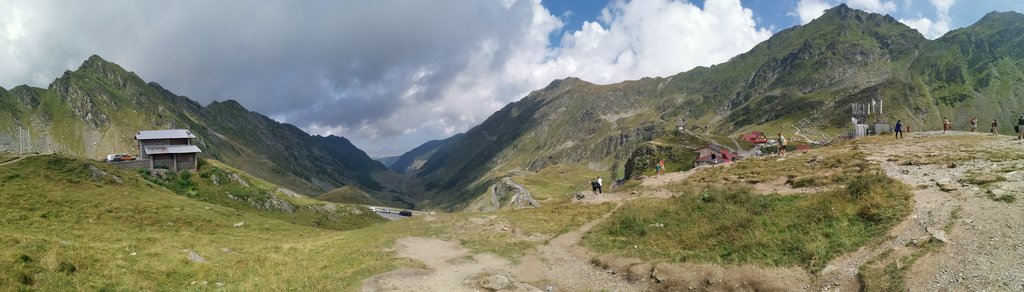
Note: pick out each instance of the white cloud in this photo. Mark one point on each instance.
(808, 10)
(656, 38)
(933, 28)
(387, 74)
(876, 6)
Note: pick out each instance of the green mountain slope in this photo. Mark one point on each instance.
(801, 81)
(414, 159)
(96, 110)
(72, 224)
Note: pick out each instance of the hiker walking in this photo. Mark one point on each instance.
(714, 158)
(781, 144)
(945, 125)
(599, 185)
(1020, 127)
(661, 170)
(657, 169)
(593, 186)
(995, 127)
(974, 124)
(899, 129)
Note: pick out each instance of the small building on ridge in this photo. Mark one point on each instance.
(168, 149)
(722, 154)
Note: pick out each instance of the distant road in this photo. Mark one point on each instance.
(394, 213)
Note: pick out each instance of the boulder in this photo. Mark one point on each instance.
(495, 282)
(195, 257)
(947, 186)
(937, 234)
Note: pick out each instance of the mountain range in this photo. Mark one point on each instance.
(96, 110)
(801, 82)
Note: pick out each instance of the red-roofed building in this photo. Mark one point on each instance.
(722, 154)
(755, 137)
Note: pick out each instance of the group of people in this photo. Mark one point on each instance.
(659, 168)
(948, 126)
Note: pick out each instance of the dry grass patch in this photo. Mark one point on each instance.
(734, 226)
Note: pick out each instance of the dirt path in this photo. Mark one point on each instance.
(671, 177)
(986, 243)
(984, 249)
(17, 159)
(560, 265)
(565, 266)
(450, 267)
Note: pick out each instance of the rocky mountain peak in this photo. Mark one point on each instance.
(228, 104)
(998, 19)
(96, 67)
(849, 15)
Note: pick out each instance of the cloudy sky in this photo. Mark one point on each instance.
(392, 74)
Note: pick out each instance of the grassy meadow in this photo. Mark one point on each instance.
(67, 229)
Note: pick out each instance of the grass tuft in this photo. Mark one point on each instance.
(738, 226)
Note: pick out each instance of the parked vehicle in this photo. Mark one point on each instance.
(405, 213)
(385, 210)
(119, 157)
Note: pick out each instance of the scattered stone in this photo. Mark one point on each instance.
(195, 257)
(133, 254)
(952, 165)
(219, 284)
(99, 174)
(237, 178)
(495, 282)
(937, 234)
(947, 186)
(239, 224)
(581, 195)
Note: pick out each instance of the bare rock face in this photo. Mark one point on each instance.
(643, 157)
(509, 193)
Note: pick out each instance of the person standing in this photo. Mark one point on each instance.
(781, 144)
(593, 186)
(661, 170)
(1020, 127)
(995, 127)
(599, 186)
(945, 125)
(899, 129)
(714, 158)
(657, 169)
(974, 124)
